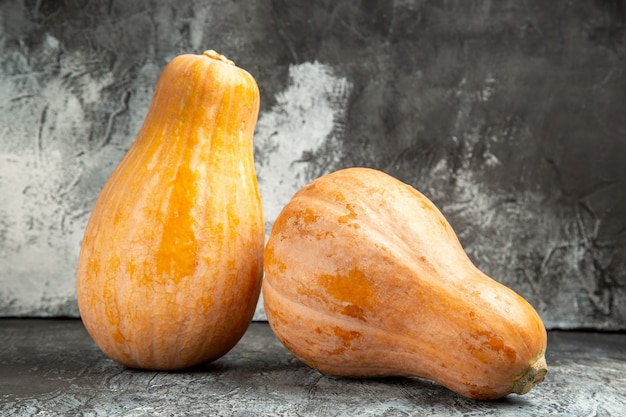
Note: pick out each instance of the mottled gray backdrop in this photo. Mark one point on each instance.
(510, 115)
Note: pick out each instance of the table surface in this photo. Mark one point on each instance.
(51, 367)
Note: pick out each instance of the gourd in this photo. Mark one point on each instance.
(170, 267)
(364, 277)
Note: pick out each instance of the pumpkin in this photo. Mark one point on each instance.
(364, 277)
(170, 267)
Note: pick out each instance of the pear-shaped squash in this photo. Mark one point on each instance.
(171, 262)
(364, 277)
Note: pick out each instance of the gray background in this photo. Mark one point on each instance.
(509, 115)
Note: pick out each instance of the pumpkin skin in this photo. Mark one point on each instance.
(364, 277)
(171, 263)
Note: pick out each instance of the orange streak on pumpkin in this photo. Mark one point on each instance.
(354, 288)
(178, 246)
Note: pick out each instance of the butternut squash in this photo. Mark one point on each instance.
(171, 263)
(364, 277)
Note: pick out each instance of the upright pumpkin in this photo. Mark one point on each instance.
(365, 277)
(171, 262)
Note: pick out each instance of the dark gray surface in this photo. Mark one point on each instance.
(51, 367)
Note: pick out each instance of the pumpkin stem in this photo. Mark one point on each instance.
(212, 54)
(533, 375)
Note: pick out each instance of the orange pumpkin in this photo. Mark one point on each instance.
(364, 277)
(171, 262)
